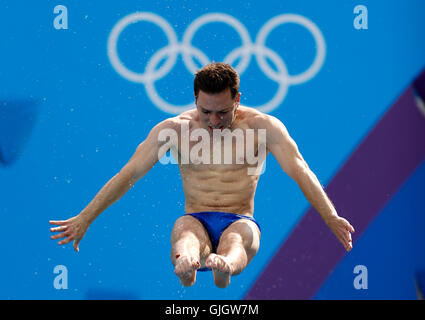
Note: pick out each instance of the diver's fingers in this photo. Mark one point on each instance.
(59, 236)
(58, 229)
(76, 244)
(67, 240)
(58, 222)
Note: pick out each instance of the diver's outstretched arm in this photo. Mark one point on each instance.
(144, 158)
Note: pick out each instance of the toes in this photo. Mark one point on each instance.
(219, 263)
(185, 269)
(209, 263)
(195, 264)
(186, 265)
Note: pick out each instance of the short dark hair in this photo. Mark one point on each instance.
(215, 78)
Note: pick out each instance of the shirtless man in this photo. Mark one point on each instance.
(217, 231)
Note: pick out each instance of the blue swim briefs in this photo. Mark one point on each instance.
(215, 223)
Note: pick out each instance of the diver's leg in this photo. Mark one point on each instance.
(238, 245)
(190, 246)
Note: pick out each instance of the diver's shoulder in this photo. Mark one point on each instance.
(254, 117)
(188, 115)
(177, 120)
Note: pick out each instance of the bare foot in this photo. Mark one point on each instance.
(185, 269)
(221, 268)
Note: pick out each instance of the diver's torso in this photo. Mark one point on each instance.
(219, 170)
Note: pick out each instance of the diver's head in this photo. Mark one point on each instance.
(217, 96)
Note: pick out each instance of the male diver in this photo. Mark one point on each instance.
(217, 231)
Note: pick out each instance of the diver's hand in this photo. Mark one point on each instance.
(342, 229)
(71, 229)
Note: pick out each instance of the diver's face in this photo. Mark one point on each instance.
(217, 111)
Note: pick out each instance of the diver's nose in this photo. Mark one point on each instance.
(215, 120)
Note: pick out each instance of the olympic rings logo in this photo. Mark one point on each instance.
(188, 52)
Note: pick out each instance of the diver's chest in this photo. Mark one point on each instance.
(213, 153)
